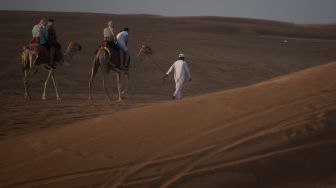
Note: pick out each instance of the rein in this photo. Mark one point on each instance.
(160, 68)
(155, 63)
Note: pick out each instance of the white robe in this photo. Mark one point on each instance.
(181, 72)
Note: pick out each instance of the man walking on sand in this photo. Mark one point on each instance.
(181, 72)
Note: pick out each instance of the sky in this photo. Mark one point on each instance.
(297, 11)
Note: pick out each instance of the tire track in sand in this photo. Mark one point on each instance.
(185, 169)
(282, 126)
(220, 166)
(124, 175)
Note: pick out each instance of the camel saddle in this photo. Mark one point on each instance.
(43, 54)
(114, 54)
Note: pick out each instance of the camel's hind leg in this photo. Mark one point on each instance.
(25, 61)
(105, 88)
(104, 69)
(94, 70)
(25, 85)
(28, 75)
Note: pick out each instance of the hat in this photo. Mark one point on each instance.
(181, 55)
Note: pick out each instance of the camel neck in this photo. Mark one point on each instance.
(68, 55)
(138, 59)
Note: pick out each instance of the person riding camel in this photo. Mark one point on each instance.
(39, 33)
(53, 44)
(109, 36)
(122, 39)
(40, 37)
(110, 41)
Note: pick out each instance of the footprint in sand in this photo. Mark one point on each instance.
(43, 145)
(68, 151)
(319, 124)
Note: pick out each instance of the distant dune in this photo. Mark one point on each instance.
(260, 111)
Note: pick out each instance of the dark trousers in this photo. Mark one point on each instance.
(113, 45)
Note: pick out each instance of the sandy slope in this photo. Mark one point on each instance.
(223, 53)
(278, 133)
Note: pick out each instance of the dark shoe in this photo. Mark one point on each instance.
(174, 98)
(51, 66)
(122, 68)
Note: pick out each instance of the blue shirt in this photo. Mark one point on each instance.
(43, 35)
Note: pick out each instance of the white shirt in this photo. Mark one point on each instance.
(181, 70)
(121, 37)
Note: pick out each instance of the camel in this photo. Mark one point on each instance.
(105, 59)
(31, 64)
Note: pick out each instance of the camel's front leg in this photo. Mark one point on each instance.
(46, 85)
(119, 87)
(55, 85)
(124, 90)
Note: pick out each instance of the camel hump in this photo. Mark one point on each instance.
(113, 56)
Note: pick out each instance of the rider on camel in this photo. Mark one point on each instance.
(53, 44)
(109, 36)
(122, 39)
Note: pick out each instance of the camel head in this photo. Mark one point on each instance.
(72, 49)
(146, 50)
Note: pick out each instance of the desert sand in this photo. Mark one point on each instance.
(259, 113)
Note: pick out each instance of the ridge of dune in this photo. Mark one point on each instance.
(239, 137)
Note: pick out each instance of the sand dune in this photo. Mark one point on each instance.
(278, 133)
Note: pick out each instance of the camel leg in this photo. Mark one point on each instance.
(45, 86)
(94, 70)
(25, 73)
(119, 87)
(126, 76)
(105, 88)
(93, 74)
(55, 85)
(26, 79)
(25, 84)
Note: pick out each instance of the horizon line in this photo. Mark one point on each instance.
(167, 16)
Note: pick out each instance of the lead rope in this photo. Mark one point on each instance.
(159, 66)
